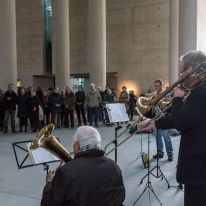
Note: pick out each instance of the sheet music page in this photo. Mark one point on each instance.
(117, 112)
(40, 155)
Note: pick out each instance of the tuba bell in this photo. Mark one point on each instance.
(155, 106)
(46, 140)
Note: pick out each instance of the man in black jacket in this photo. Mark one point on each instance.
(189, 117)
(10, 108)
(90, 179)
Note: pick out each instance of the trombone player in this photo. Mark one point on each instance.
(90, 179)
(188, 115)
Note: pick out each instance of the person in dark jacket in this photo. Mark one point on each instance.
(46, 108)
(34, 104)
(22, 112)
(10, 108)
(90, 179)
(188, 115)
(69, 105)
(56, 101)
(79, 105)
(132, 104)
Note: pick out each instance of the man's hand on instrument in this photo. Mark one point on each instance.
(178, 92)
(146, 126)
(50, 176)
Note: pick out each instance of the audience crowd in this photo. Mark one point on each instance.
(36, 108)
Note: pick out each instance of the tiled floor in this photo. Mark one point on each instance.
(24, 187)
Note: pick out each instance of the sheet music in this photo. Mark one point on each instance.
(40, 155)
(117, 112)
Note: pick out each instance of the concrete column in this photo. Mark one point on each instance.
(8, 54)
(97, 42)
(61, 46)
(188, 26)
(173, 40)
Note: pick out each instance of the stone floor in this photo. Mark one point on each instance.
(23, 187)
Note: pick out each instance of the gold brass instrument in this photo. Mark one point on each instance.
(46, 140)
(154, 107)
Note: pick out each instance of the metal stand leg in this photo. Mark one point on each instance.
(148, 185)
(140, 155)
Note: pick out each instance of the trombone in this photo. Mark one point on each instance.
(113, 141)
(155, 107)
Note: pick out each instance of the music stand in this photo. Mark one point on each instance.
(149, 184)
(117, 113)
(159, 173)
(23, 158)
(140, 155)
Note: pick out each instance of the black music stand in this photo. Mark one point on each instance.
(141, 154)
(159, 173)
(117, 113)
(20, 149)
(149, 184)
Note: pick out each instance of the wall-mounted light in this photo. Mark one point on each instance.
(18, 83)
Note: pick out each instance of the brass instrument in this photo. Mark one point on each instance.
(45, 139)
(154, 107)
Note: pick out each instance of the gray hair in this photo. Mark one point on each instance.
(192, 59)
(88, 137)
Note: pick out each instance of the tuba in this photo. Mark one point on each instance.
(155, 106)
(46, 140)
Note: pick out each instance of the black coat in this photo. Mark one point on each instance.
(10, 100)
(80, 100)
(56, 102)
(34, 103)
(190, 119)
(23, 106)
(91, 179)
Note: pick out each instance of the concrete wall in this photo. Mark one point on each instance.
(188, 26)
(29, 40)
(137, 40)
(201, 27)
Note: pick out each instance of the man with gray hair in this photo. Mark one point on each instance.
(93, 100)
(189, 117)
(90, 179)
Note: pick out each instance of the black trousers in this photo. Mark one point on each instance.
(195, 195)
(69, 118)
(79, 113)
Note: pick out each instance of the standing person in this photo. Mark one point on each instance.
(132, 104)
(34, 103)
(2, 108)
(56, 102)
(79, 105)
(82, 181)
(46, 108)
(124, 97)
(188, 115)
(93, 99)
(10, 108)
(22, 112)
(69, 105)
(159, 134)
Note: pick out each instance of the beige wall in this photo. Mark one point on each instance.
(137, 39)
(29, 40)
(201, 28)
